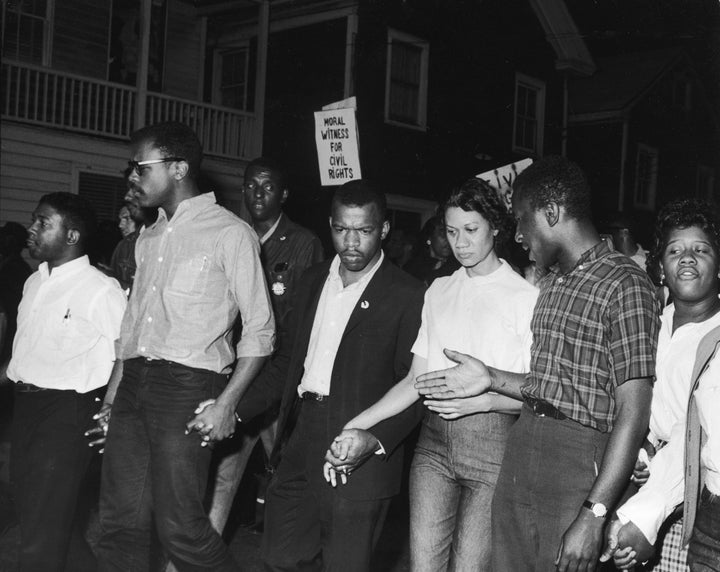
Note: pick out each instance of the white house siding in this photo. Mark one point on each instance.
(35, 161)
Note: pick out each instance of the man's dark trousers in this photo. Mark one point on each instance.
(309, 526)
(549, 467)
(49, 461)
(151, 465)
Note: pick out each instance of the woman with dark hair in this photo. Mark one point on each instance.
(686, 256)
(434, 256)
(483, 309)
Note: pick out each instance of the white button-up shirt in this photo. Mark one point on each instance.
(68, 321)
(335, 306)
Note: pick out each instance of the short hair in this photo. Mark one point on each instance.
(678, 214)
(173, 139)
(477, 195)
(555, 179)
(359, 193)
(76, 211)
(270, 164)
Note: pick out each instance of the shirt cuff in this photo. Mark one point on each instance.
(381, 449)
(647, 511)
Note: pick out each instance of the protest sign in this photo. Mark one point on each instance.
(502, 178)
(336, 137)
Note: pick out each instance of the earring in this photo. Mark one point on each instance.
(662, 279)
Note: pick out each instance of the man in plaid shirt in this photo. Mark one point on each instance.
(587, 396)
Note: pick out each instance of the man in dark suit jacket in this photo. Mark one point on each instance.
(348, 341)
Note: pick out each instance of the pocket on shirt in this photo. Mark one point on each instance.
(74, 337)
(190, 275)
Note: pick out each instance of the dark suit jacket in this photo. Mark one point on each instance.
(373, 355)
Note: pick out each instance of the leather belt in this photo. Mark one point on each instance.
(312, 396)
(543, 408)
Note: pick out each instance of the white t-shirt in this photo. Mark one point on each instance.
(487, 317)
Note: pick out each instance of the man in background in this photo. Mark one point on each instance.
(287, 250)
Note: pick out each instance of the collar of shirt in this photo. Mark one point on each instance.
(335, 278)
(187, 208)
(68, 268)
(264, 238)
(587, 258)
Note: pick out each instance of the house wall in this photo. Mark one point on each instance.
(684, 140)
(36, 161)
(475, 51)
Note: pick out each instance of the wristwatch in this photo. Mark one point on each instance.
(597, 508)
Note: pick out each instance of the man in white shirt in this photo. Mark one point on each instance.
(63, 355)
(631, 537)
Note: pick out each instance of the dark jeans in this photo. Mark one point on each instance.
(547, 472)
(49, 461)
(452, 481)
(309, 526)
(152, 469)
(704, 551)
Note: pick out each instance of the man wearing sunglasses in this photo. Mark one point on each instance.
(198, 267)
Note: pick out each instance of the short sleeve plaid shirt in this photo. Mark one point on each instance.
(593, 329)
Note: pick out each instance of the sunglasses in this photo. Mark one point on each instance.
(138, 165)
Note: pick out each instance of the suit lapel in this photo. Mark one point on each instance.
(308, 317)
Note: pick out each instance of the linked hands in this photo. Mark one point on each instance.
(347, 452)
(626, 545)
(213, 420)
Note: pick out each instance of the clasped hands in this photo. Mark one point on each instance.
(214, 421)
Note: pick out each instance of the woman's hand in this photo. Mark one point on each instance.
(456, 408)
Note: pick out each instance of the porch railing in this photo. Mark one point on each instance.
(51, 98)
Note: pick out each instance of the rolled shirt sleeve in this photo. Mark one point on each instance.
(240, 258)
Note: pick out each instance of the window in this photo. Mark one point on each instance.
(681, 93)
(231, 82)
(529, 122)
(406, 80)
(646, 170)
(705, 182)
(25, 31)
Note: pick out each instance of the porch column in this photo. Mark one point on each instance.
(261, 75)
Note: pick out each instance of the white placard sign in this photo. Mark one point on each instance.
(503, 177)
(336, 137)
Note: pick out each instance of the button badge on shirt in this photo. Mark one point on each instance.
(278, 275)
